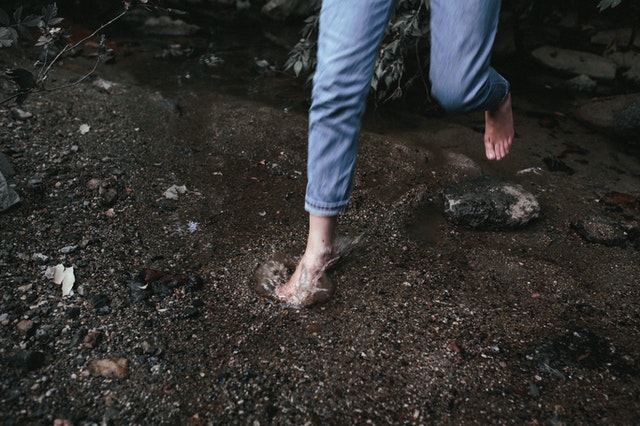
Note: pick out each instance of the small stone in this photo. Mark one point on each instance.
(112, 367)
(18, 114)
(39, 257)
(92, 339)
(173, 192)
(68, 249)
(94, 184)
(25, 326)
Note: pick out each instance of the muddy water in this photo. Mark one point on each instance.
(243, 56)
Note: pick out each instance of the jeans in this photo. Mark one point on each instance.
(462, 34)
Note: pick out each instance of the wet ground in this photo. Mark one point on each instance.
(429, 324)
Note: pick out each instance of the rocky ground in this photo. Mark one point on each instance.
(431, 322)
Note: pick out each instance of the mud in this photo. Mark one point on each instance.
(429, 323)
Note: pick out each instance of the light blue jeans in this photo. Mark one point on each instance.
(462, 34)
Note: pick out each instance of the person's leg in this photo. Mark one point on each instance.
(349, 38)
(462, 35)
(348, 42)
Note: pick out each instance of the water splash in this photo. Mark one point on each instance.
(314, 286)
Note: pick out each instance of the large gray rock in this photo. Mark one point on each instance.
(491, 204)
(575, 62)
(8, 196)
(617, 114)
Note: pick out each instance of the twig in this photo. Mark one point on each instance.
(71, 47)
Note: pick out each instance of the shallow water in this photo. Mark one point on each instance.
(312, 287)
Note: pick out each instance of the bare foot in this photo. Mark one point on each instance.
(309, 284)
(498, 134)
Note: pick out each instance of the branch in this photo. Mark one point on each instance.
(71, 47)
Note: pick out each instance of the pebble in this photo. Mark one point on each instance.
(111, 367)
(39, 257)
(18, 114)
(68, 249)
(25, 326)
(94, 183)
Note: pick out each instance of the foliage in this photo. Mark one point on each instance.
(52, 43)
(405, 35)
(604, 4)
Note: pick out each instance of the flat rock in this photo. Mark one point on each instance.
(576, 62)
(619, 36)
(630, 61)
(8, 197)
(488, 203)
(618, 114)
(600, 230)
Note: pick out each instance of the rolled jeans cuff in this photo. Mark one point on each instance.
(499, 89)
(324, 209)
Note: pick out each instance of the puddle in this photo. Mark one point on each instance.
(428, 224)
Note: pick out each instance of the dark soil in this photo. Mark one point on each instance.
(430, 323)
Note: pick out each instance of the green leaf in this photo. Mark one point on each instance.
(297, 68)
(8, 37)
(4, 18)
(54, 21)
(17, 14)
(49, 11)
(32, 21)
(604, 4)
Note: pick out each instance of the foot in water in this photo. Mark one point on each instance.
(307, 284)
(499, 133)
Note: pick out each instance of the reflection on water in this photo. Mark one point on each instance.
(427, 223)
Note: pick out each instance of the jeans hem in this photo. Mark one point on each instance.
(326, 210)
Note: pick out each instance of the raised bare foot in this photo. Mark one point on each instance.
(499, 133)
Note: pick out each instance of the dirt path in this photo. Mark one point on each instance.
(430, 323)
